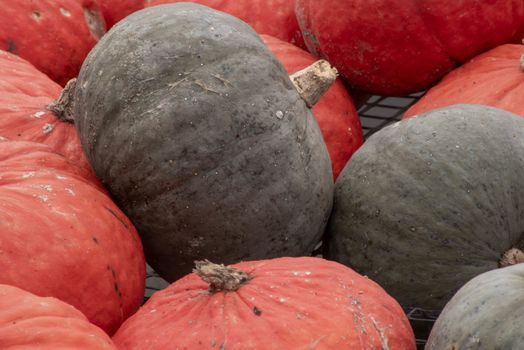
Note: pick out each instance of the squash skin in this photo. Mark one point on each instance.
(51, 34)
(289, 303)
(61, 236)
(31, 322)
(430, 195)
(115, 10)
(335, 113)
(250, 179)
(409, 48)
(25, 96)
(494, 78)
(486, 313)
(273, 17)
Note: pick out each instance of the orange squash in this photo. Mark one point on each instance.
(28, 321)
(284, 303)
(61, 236)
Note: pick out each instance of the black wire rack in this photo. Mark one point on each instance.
(380, 111)
(376, 113)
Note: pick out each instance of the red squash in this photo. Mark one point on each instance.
(115, 10)
(495, 78)
(60, 236)
(274, 17)
(28, 321)
(25, 95)
(284, 303)
(334, 112)
(518, 38)
(406, 47)
(54, 35)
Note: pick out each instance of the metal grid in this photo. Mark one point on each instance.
(421, 321)
(380, 111)
(376, 113)
(153, 283)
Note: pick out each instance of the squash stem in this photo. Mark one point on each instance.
(63, 106)
(512, 257)
(313, 81)
(95, 22)
(220, 277)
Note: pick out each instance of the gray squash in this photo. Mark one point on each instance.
(486, 313)
(202, 139)
(430, 202)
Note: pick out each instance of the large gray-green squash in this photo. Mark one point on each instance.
(430, 202)
(486, 313)
(203, 140)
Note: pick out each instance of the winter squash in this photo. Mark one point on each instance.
(334, 112)
(408, 48)
(518, 38)
(26, 96)
(284, 303)
(493, 78)
(428, 203)
(28, 321)
(60, 236)
(273, 17)
(202, 139)
(484, 314)
(54, 35)
(114, 10)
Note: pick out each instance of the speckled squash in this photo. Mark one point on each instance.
(28, 321)
(285, 303)
(202, 138)
(54, 35)
(430, 202)
(61, 236)
(494, 78)
(26, 95)
(486, 313)
(334, 112)
(406, 48)
(273, 17)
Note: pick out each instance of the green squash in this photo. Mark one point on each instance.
(430, 202)
(486, 313)
(203, 140)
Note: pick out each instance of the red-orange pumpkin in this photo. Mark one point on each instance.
(274, 17)
(335, 112)
(518, 38)
(284, 303)
(495, 78)
(28, 321)
(406, 47)
(25, 95)
(54, 35)
(114, 10)
(60, 236)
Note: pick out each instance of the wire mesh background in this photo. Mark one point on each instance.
(376, 113)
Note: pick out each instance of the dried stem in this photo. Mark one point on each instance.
(63, 106)
(313, 81)
(220, 277)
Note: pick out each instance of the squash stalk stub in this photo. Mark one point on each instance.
(95, 22)
(313, 81)
(63, 106)
(220, 277)
(522, 63)
(513, 256)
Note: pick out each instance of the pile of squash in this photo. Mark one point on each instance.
(217, 140)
